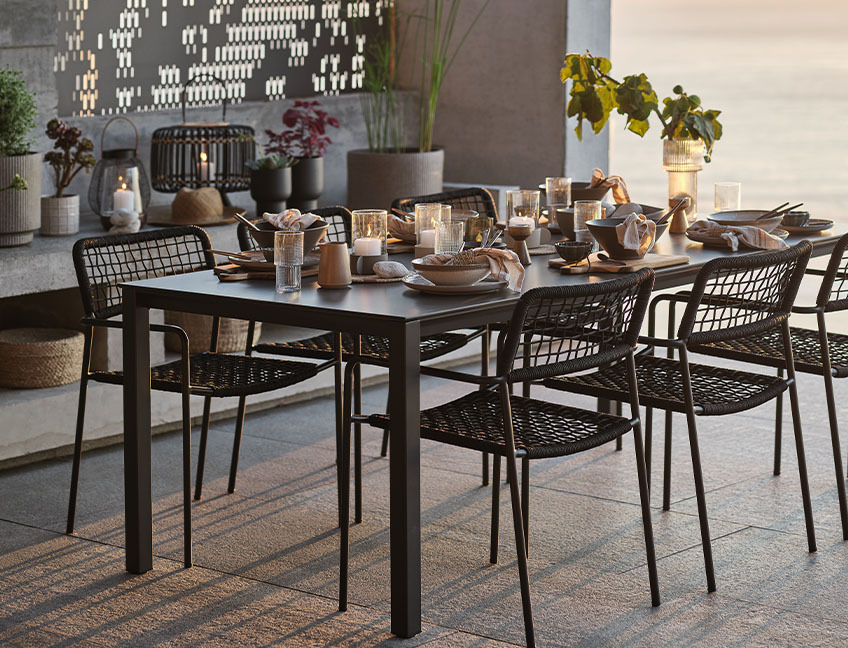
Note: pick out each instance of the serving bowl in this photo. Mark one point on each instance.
(573, 251)
(581, 191)
(603, 229)
(742, 217)
(265, 236)
(451, 275)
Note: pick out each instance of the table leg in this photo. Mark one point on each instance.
(405, 480)
(137, 462)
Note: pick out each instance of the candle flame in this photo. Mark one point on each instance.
(203, 157)
(124, 186)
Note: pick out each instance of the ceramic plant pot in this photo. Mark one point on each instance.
(59, 216)
(307, 183)
(270, 188)
(20, 211)
(374, 180)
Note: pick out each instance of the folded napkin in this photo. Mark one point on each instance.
(291, 219)
(751, 236)
(402, 229)
(616, 183)
(503, 264)
(637, 233)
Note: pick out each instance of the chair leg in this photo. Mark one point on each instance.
(231, 488)
(187, 558)
(485, 457)
(485, 342)
(618, 441)
(649, 421)
(201, 450)
(525, 501)
(778, 427)
(75, 466)
(645, 498)
(496, 508)
(344, 491)
(667, 463)
(384, 448)
(357, 444)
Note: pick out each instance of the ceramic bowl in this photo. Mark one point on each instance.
(581, 191)
(654, 213)
(265, 236)
(796, 218)
(744, 217)
(603, 229)
(573, 251)
(451, 275)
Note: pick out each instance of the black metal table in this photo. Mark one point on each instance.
(389, 310)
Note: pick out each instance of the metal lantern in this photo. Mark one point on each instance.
(118, 180)
(202, 155)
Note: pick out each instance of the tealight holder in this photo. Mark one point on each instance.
(369, 232)
(519, 235)
(426, 217)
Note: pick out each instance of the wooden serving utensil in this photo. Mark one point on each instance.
(680, 204)
(247, 221)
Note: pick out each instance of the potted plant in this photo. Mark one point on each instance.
(71, 154)
(305, 140)
(389, 168)
(270, 182)
(689, 132)
(19, 210)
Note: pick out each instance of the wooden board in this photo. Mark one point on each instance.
(648, 261)
(232, 272)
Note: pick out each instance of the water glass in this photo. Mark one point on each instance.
(585, 210)
(450, 237)
(728, 196)
(288, 259)
(557, 193)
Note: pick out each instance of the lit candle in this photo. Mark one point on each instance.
(518, 221)
(367, 247)
(123, 199)
(427, 238)
(207, 168)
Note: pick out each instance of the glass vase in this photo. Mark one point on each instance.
(682, 159)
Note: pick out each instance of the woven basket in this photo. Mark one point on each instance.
(31, 358)
(232, 333)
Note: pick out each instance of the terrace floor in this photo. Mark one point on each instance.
(266, 557)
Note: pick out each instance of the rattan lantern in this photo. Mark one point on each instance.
(118, 180)
(202, 155)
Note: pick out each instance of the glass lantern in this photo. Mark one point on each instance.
(369, 232)
(427, 215)
(118, 181)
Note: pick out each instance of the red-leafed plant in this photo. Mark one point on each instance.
(305, 134)
(72, 153)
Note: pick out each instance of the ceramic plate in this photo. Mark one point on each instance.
(813, 225)
(258, 263)
(417, 282)
(717, 241)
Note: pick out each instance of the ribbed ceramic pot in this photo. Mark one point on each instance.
(374, 180)
(20, 211)
(59, 216)
(270, 188)
(307, 183)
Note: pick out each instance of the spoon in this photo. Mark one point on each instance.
(603, 257)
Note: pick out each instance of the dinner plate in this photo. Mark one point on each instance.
(813, 225)
(417, 282)
(717, 241)
(256, 261)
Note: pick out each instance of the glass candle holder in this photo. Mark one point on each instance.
(120, 189)
(522, 207)
(369, 232)
(427, 216)
(557, 193)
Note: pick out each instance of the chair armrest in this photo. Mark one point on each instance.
(156, 328)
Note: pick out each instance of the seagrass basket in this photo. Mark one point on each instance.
(232, 333)
(32, 358)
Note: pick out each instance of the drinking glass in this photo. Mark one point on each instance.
(449, 237)
(426, 217)
(288, 259)
(585, 210)
(557, 194)
(728, 196)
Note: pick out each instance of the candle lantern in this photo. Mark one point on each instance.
(202, 155)
(369, 239)
(427, 215)
(119, 181)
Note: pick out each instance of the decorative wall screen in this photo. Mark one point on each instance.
(117, 56)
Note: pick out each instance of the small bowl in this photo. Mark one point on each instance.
(796, 218)
(581, 191)
(654, 213)
(573, 251)
(265, 236)
(603, 229)
(451, 275)
(744, 217)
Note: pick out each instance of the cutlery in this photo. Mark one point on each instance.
(247, 222)
(783, 211)
(603, 257)
(772, 212)
(671, 212)
(234, 255)
(402, 214)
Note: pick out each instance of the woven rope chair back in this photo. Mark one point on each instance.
(338, 217)
(833, 294)
(735, 297)
(476, 198)
(103, 263)
(559, 330)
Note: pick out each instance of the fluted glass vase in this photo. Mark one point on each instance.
(682, 159)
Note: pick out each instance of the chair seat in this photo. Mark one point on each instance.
(375, 349)
(218, 374)
(716, 390)
(767, 349)
(542, 429)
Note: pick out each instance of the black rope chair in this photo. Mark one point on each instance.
(732, 298)
(374, 349)
(102, 264)
(554, 331)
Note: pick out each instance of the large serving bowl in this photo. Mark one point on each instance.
(451, 275)
(265, 236)
(603, 229)
(743, 217)
(581, 191)
(653, 213)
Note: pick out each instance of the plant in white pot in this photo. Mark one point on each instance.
(19, 209)
(71, 154)
(390, 169)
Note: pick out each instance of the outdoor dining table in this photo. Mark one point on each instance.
(390, 310)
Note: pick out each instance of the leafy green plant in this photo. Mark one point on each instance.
(270, 162)
(17, 114)
(18, 184)
(594, 94)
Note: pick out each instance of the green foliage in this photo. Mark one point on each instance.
(594, 94)
(17, 114)
(270, 162)
(18, 184)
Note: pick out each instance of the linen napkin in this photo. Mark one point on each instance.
(637, 233)
(750, 235)
(616, 183)
(503, 264)
(291, 219)
(402, 229)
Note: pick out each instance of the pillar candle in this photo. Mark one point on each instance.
(427, 238)
(367, 247)
(123, 199)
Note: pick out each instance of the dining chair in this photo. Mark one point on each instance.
(554, 331)
(374, 349)
(732, 298)
(101, 265)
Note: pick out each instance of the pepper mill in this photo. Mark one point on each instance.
(520, 234)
